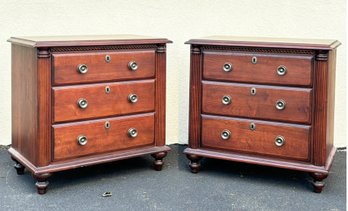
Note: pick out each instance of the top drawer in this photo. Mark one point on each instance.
(72, 68)
(284, 69)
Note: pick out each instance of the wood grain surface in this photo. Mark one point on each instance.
(261, 105)
(101, 139)
(65, 66)
(261, 140)
(299, 68)
(100, 103)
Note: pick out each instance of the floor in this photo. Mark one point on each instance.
(221, 185)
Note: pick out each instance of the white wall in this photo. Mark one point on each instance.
(179, 21)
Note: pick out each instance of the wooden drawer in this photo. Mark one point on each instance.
(261, 140)
(65, 66)
(261, 105)
(101, 139)
(100, 103)
(299, 68)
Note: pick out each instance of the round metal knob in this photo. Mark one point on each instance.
(281, 70)
(82, 68)
(133, 98)
(82, 103)
(226, 99)
(280, 104)
(225, 134)
(133, 65)
(82, 140)
(132, 132)
(279, 141)
(227, 67)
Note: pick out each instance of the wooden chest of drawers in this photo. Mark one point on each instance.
(79, 101)
(263, 101)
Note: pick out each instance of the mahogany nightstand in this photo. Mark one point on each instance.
(85, 100)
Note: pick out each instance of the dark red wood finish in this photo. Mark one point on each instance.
(260, 140)
(100, 103)
(299, 68)
(101, 139)
(262, 105)
(44, 141)
(65, 66)
(308, 87)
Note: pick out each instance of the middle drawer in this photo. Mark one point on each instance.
(256, 101)
(101, 100)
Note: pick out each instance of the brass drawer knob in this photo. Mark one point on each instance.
(82, 103)
(132, 132)
(225, 134)
(281, 70)
(133, 98)
(226, 100)
(132, 65)
(227, 67)
(82, 140)
(280, 104)
(82, 68)
(279, 141)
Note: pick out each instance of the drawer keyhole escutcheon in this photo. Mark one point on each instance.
(82, 68)
(82, 103)
(82, 140)
(280, 104)
(279, 141)
(227, 67)
(133, 98)
(132, 132)
(225, 134)
(252, 126)
(281, 70)
(107, 58)
(226, 100)
(132, 65)
(107, 125)
(107, 89)
(254, 60)
(253, 91)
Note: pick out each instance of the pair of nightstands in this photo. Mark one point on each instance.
(79, 101)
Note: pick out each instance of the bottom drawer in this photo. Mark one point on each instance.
(104, 135)
(254, 136)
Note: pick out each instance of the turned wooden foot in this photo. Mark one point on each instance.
(42, 182)
(194, 163)
(318, 183)
(158, 163)
(19, 167)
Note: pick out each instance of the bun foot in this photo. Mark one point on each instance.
(194, 163)
(158, 163)
(42, 183)
(318, 183)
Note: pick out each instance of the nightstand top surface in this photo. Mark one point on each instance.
(319, 44)
(85, 40)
